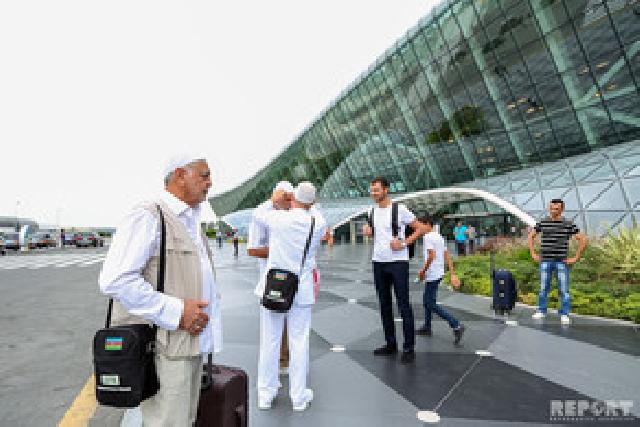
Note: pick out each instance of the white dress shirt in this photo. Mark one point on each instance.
(288, 232)
(138, 239)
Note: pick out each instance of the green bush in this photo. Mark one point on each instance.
(605, 282)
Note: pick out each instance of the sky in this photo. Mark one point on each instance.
(96, 96)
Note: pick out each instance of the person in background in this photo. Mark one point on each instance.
(258, 246)
(391, 268)
(236, 241)
(471, 233)
(460, 235)
(556, 232)
(431, 274)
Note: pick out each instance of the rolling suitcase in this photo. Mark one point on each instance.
(224, 400)
(505, 293)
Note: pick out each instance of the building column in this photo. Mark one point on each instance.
(352, 231)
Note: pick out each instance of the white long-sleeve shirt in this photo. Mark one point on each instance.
(138, 239)
(288, 232)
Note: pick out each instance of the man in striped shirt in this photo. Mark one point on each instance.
(556, 232)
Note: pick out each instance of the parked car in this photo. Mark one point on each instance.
(69, 239)
(3, 248)
(47, 240)
(87, 239)
(34, 241)
(12, 241)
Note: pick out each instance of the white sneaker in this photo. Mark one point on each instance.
(564, 319)
(305, 403)
(264, 403)
(538, 315)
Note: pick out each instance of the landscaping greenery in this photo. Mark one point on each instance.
(605, 282)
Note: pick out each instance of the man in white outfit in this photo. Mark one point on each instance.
(258, 246)
(187, 313)
(288, 234)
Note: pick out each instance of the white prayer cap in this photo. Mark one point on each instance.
(305, 193)
(179, 161)
(284, 186)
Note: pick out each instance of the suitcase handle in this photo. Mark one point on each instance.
(241, 415)
(207, 377)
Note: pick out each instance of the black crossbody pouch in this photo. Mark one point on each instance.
(123, 356)
(282, 285)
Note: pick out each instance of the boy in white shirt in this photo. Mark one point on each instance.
(435, 254)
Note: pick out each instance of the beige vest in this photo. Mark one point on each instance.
(183, 279)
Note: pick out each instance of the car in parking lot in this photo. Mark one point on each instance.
(88, 239)
(47, 240)
(3, 250)
(34, 241)
(12, 241)
(69, 239)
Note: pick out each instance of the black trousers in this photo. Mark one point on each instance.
(387, 275)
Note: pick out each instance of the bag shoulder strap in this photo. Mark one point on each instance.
(161, 267)
(394, 219)
(308, 243)
(370, 218)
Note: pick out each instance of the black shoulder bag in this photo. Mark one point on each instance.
(395, 229)
(123, 356)
(281, 285)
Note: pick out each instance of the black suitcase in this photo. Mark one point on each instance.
(224, 398)
(505, 293)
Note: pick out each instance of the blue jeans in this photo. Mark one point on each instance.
(546, 274)
(430, 306)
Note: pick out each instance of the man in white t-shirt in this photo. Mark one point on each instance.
(258, 246)
(435, 255)
(288, 234)
(391, 267)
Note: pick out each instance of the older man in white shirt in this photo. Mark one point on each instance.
(188, 312)
(288, 234)
(258, 246)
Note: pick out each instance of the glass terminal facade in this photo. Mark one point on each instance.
(484, 91)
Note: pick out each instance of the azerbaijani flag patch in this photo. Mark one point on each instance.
(113, 343)
(280, 276)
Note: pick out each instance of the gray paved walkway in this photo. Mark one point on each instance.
(50, 313)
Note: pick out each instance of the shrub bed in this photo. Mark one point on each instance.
(605, 282)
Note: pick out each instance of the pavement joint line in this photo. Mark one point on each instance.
(82, 408)
(457, 384)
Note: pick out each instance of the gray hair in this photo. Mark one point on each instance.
(169, 177)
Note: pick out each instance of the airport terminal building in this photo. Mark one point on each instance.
(486, 109)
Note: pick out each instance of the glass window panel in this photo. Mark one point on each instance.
(553, 9)
(520, 21)
(626, 17)
(571, 55)
(539, 61)
(598, 41)
(632, 189)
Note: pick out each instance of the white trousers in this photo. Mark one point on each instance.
(271, 327)
(176, 402)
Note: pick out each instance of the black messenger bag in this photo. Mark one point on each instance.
(123, 356)
(281, 285)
